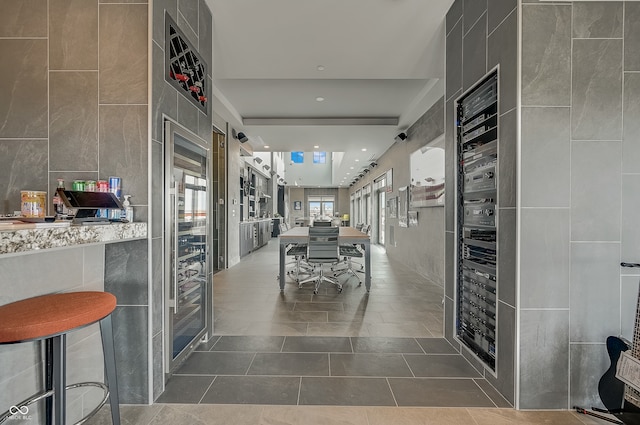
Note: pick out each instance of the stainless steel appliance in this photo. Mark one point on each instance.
(188, 285)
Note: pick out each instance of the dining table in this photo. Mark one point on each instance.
(347, 235)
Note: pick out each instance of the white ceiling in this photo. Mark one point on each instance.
(383, 68)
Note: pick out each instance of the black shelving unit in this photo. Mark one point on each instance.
(477, 218)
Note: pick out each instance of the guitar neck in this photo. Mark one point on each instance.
(631, 395)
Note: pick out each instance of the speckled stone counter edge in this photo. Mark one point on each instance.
(31, 240)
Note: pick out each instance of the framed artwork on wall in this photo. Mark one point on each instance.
(427, 175)
(297, 205)
(403, 206)
(392, 207)
(389, 180)
(413, 218)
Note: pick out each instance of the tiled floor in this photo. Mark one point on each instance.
(294, 358)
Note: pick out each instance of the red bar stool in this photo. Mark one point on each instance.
(49, 318)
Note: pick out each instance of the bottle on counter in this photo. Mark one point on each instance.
(58, 205)
(127, 211)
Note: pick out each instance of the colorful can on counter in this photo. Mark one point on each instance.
(115, 186)
(33, 203)
(90, 186)
(102, 186)
(78, 185)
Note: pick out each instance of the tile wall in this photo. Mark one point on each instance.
(75, 106)
(194, 19)
(480, 35)
(580, 149)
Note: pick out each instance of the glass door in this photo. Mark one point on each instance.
(186, 252)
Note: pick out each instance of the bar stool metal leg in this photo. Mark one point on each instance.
(59, 378)
(48, 368)
(106, 330)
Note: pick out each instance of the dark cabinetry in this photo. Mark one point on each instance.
(477, 217)
(254, 235)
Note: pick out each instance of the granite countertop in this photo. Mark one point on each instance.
(25, 240)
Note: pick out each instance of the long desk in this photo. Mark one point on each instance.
(348, 235)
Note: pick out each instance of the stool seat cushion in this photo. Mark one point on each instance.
(47, 315)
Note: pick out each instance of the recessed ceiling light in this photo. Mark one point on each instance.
(351, 168)
(316, 146)
(320, 68)
(364, 149)
(348, 174)
(267, 146)
(319, 99)
(357, 160)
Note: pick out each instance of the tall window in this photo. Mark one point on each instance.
(321, 206)
(297, 157)
(319, 157)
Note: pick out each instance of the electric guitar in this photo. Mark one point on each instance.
(610, 388)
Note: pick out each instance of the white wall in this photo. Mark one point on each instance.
(308, 173)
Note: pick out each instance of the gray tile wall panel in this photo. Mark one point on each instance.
(453, 61)
(597, 19)
(189, 32)
(23, 165)
(507, 159)
(187, 114)
(157, 190)
(126, 274)
(502, 48)
(131, 324)
(631, 126)
(629, 286)
(158, 371)
(205, 35)
(630, 250)
(596, 90)
(546, 149)
(123, 47)
(26, 18)
(449, 268)
(164, 98)
(73, 121)
(157, 286)
(546, 55)
(595, 281)
(23, 112)
(474, 53)
(588, 363)
(631, 36)
(507, 256)
(73, 34)
(595, 191)
(472, 11)
(546, 258)
(504, 382)
(450, 165)
(497, 11)
(124, 146)
(159, 9)
(544, 335)
(453, 15)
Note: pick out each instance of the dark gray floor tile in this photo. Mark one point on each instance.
(440, 365)
(369, 364)
(316, 344)
(385, 345)
(212, 363)
(253, 390)
(438, 393)
(185, 389)
(290, 364)
(345, 392)
(436, 346)
(249, 343)
(493, 394)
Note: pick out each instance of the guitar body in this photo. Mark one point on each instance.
(610, 388)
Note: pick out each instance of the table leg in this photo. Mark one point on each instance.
(367, 266)
(281, 276)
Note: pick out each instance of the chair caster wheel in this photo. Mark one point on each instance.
(339, 290)
(315, 292)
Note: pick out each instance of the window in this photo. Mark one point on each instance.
(319, 157)
(297, 157)
(320, 206)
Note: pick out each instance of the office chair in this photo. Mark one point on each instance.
(298, 251)
(347, 252)
(321, 223)
(323, 249)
